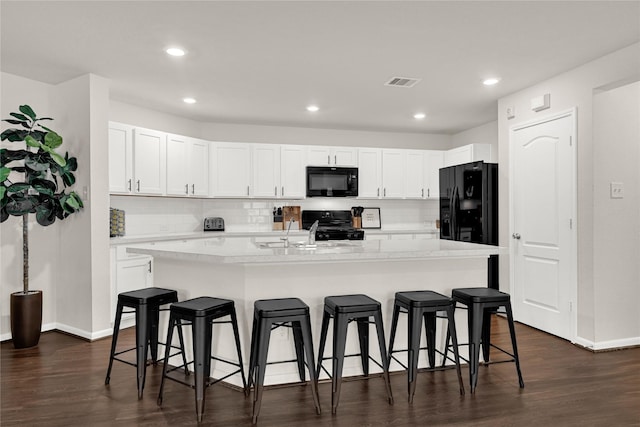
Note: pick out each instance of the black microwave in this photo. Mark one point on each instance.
(326, 181)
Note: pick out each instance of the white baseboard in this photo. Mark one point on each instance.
(608, 345)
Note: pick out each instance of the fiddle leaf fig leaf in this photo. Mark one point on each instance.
(3, 191)
(28, 111)
(33, 162)
(31, 142)
(55, 156)
(4, 173)
(18, 187)
(52, 139)
(73, 201)
(19, 116)
(14, 135)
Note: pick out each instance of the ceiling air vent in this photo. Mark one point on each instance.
(402, 82)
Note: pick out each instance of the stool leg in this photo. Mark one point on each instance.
(262, 344)
(114, 341)
(172, 323)
(323, 338)
(201, 330)
(340, 324)
(181, 339)
(394, 327)
(451, 332)
(512, 332)
(298, 342)
(414, 326)
(383, 353)
(476, 314)
(307, 340)
(154, 320)
(142, 345)
(252, 353)
(446, 342)
(363, 338)
(236, 335)
(486, 333)
(430, 332)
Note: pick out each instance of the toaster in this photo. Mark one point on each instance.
(213, 223)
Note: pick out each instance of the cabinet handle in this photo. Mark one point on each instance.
(129, 185)
(193, 189)
(275, 190)
(138, 184)
(384, 193)
(149, 266)
(328, 159)
(378, 191)
(247, 190)
(428, 193)
(186, 189)
(335, 159)
(282, 192)
(422, 193)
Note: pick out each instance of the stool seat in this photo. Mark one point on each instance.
(281, 307)
(479, 295)
(351, 303)
(158, 296)
(203, 306)
(201, 313)
(422, 299)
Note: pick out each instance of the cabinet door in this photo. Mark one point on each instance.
(149, 161)
(344, 156)
(132, 274)
(413, 174)
(433, 161)
(392, 173)
(198, 161)
(177, 165)
(458, 156)
(318, 155)
(120, 158)
(369, 172)
(292, 171)
(266, 170)
(231, 169)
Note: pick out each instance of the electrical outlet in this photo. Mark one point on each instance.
(616, 190)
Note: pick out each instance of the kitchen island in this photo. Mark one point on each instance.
(245, 270)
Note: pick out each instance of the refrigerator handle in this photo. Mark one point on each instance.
(455, 208)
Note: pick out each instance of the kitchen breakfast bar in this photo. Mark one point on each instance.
(245, 270)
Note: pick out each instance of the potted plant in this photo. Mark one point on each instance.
(33, 180)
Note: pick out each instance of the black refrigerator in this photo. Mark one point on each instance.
(469, 207)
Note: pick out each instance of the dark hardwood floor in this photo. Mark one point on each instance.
(61, 383)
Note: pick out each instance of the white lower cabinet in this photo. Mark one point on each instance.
(128, 273)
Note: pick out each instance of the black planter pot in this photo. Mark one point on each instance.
(26, 318)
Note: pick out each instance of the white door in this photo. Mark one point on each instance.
(149, 161)
(414, 174)
(266, 170)
(369, 172)
(543, 261)
(198, 161)
(120, 158)
(292, 171)
(177, 166)
(393, 173)
(232, 169)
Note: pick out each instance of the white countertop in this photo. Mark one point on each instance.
(222, 250)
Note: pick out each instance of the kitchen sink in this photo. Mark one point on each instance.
(307, 246)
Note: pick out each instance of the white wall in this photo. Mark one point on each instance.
(43, 244)
(571, 89)
(483, 134)
(616, 226)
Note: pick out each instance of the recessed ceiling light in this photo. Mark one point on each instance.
(175, 51)
(313, 108)
(419, 116)
(491, 81)
(189, 100)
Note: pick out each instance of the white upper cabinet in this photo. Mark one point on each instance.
(230, 169)
(293, 159)
(331, 156)
(266, 170)
(414, 174)
(177, 165)
(198, 160)
(149, 161)
(393, 179)
(369, 173)
(433, 161)
(120, 158)
(467, 153)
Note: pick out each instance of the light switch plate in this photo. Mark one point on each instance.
(616, 190)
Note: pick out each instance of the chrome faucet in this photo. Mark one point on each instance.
(285, 239)
(312, 233)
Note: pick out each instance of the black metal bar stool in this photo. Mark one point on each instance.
(200, 313)
(146, 305)
(345, 309)
(271, 314)
(421, 305)
(481, 303)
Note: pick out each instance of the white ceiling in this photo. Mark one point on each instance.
(262, 62)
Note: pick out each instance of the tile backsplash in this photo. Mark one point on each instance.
(165, 215)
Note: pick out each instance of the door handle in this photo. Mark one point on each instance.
(516, 236)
